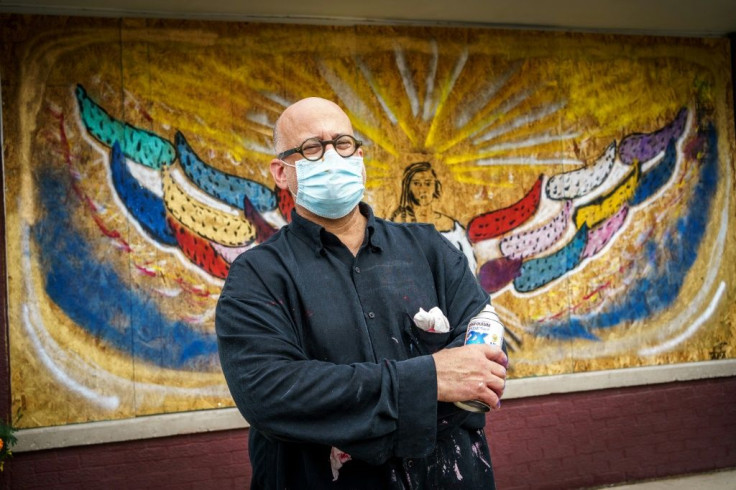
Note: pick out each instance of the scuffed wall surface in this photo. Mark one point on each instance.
(587, 178)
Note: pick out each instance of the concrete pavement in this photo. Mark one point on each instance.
(716, 480)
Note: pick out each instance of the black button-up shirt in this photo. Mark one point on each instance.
(319, 350)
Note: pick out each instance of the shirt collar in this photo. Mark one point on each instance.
(315, 235)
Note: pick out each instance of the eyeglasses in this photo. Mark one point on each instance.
(313, 148)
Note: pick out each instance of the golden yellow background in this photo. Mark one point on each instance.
(563, 98)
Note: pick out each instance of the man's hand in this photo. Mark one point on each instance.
(471, 372)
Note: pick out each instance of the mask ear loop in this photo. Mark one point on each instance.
(293, 194)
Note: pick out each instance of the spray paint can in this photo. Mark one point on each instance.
(484, 328)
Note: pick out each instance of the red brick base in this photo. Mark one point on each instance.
(589, 439)
(550, 442)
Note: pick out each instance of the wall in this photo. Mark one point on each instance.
(62, 75)
(588, 179)
(549, 442)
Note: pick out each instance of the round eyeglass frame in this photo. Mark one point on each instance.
(323, 143)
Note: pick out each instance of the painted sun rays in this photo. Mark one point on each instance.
(497, 121)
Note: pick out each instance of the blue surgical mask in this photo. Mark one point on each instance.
(330, 187)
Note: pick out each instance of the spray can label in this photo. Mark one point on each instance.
(484, 328)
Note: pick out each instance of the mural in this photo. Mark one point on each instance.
(586, 178)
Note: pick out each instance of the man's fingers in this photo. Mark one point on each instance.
(471, 372)
(489, 396)
(495, 354)
(498, 370)
(497, 385)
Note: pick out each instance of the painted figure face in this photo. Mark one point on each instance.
(422, 187)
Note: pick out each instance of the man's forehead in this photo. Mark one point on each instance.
(314, 117)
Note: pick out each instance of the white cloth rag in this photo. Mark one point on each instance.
(432, 321)
(337, 459)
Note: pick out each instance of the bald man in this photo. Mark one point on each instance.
(318, 344)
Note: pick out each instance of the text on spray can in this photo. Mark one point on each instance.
(484, 328)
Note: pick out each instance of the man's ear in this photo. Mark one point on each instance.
(279, 174)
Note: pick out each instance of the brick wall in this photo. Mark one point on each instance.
(587, 439)
(202, 461)
(550, 442)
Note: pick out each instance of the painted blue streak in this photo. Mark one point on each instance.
(139, 145)
(655, 178)
(146, 207)
(670, 260)
(535, 273)
(97, 299)
(225, 187)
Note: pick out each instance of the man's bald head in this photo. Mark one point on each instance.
(307, 118)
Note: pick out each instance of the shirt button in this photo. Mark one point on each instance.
(357, 269)
(371, 315)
